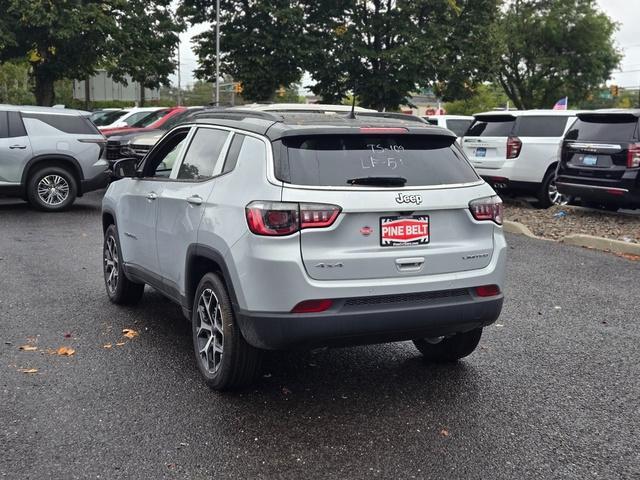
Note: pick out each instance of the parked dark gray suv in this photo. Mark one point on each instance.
(49, 156)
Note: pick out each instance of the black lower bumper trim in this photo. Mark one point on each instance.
(96, 183)
(371, 324)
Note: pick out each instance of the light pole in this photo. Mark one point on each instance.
(217, 98)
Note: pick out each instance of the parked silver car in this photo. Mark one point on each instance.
(49, 156)
(275, 231)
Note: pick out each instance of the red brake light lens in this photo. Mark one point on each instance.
(488, 208)
(514, 145)
(488, 291)
(312, 306)
(284, 218)
(633, 156)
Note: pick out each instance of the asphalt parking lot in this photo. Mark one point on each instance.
(552, 392)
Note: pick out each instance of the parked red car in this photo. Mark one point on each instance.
(153, 121)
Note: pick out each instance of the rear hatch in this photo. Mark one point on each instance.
(386, 228)
(596, 148)
(485, 143)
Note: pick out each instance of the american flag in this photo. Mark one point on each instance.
(561, 104)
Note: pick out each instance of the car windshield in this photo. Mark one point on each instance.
(149, 119)
(109, 117)
(177, 119)
(334, 160)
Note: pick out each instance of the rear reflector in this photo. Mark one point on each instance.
(383, 130)
(488, 208)
(488, 291)
(312, 306)
(617, 193)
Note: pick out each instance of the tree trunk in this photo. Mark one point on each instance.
(43, 91)
(87, 92)
(141, 95)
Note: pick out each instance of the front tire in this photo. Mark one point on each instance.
(120, 289)
(449, 349)
(224, 358)
(52, 189)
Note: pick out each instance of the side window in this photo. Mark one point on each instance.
(4, 131)
(203, 154)
(551, 126)
(160, 161)
(65, 123)
(233, 152)
(16, 127)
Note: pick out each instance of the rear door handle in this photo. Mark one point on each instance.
(19, 147)
(152, 196)
(195, 200)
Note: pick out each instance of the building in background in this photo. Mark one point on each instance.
(103, 88)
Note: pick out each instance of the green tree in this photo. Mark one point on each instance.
(144, 44)
(61, 39)
(15, 86)
(554, 48)
(261, 43)
(484, 97)
(384, 50)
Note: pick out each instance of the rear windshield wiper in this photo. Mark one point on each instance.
(378, 181)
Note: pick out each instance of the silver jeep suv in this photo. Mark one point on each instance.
(276, 231)
(49, 156)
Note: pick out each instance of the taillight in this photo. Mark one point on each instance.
(514, 145)
(488, 208)
(312, 306)
(284, 218)
(488, 291)
(633, 156)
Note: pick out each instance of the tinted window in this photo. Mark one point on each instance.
(331, 160)
(4, 131)
(16, 127)
(232, 154)
(541, 126)
(494, 126)
(149, 119)
(136, 117)
(202, 154)
(432, 121)
(604, 128)
(459, 127)
(107, 118)
(179, 118)
(65, 123)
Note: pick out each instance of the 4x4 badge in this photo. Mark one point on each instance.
(402, 198)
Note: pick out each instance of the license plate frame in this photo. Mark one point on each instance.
(416, 236)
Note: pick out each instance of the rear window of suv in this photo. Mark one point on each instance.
(74, 124)
(492, 126)
(331, 160)
(604, 128)
(550, 126)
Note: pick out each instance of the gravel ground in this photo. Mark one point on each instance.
(557, 222)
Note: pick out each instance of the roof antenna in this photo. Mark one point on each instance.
(352, 113)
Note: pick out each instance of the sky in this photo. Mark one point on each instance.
(625, 12)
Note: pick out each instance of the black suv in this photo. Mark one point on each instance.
(600, 159)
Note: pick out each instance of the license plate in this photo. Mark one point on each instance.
(590, 160)
(481, 152)
(399, 231)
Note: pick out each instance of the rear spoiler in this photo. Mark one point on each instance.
(503, 117)
(609, 117)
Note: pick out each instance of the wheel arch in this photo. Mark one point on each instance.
(108, 218)
(60, 160)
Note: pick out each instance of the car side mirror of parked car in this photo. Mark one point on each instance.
(125, 168)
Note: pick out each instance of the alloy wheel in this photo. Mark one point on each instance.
(111, 265)
(555, 196)
(53, 189)
(209, 335)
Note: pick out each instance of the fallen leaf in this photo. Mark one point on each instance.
(28, 370)
(444, 432)
(28, 348)
(119, 344)
(65, 351)
(108, 345)
(129, 333)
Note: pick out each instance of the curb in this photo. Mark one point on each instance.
(578, 239)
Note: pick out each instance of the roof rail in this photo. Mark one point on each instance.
(400, 116)
(236, 114)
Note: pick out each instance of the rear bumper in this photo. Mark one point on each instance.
(101, 180)
(352, 323)
(617, 193)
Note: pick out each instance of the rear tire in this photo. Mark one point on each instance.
(224, 358)
(449, 349)
(51, 189)
(548, 194)
(120, 289)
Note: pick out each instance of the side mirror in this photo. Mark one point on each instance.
(125, 168)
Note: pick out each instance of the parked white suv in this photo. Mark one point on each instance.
(275, 231)
(458, 124)
(519, 150)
